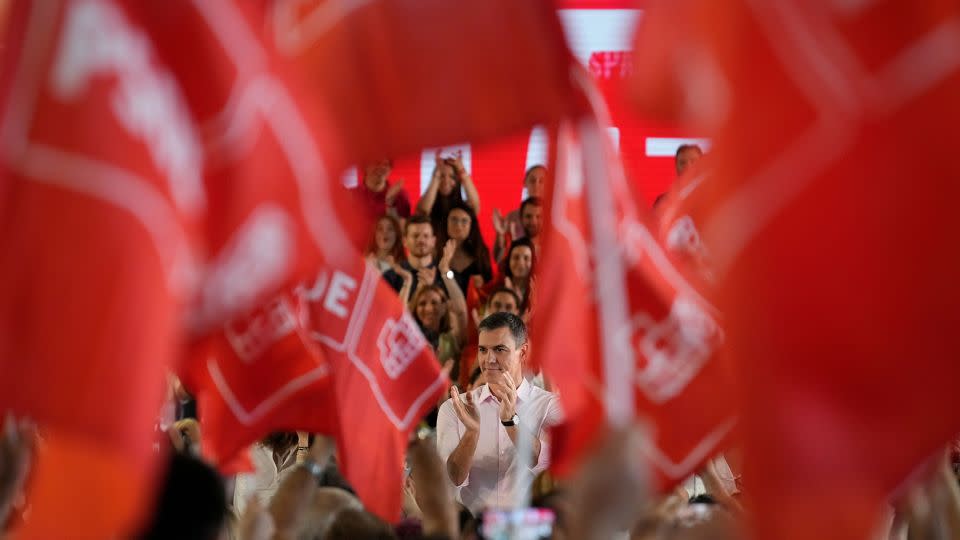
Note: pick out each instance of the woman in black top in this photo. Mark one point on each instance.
(471, 260)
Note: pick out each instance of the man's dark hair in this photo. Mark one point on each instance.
(504, 290)
(417, 219)
(496, 321)
(192, 504)
(528, 201)
(684, 147)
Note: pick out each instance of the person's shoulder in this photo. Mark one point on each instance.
(537, 393)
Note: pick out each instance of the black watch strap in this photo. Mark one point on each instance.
(513, 421)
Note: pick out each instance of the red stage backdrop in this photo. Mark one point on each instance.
(600, 33)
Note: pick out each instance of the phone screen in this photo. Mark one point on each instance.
(523, 524)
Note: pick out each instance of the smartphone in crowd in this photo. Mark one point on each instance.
(522, 524)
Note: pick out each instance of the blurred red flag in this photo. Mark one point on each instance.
(136, 141)
(829, 223)
(259, 375)
(646, 341)
(385, 376)
(409, 74)
(340, 357)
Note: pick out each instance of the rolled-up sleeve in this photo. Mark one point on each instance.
(553, 417)
(448, 437)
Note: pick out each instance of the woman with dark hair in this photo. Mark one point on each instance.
(517, 270)
(444, 192)
(386, 248)
(471, 260)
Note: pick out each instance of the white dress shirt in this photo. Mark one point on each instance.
(265, 478)
(495, 471)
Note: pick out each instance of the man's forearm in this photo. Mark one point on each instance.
(461, 459)
(535, 446)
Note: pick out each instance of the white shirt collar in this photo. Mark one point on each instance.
(523, 391)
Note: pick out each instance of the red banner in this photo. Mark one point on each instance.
(385, 376)
(827, 228)
(647, 341)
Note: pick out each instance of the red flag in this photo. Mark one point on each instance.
(409, 74)
(135, 144)
(259, 375)
(829, 228)
(385, 376)
(646, 339)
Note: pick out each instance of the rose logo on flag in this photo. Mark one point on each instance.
(675, 348)
(400, 342)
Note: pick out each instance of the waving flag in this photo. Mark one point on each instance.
(385, 375)
(828, 228)
(136, 141)
(647, 341)
(260, 374)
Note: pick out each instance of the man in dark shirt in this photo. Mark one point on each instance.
(421, 243)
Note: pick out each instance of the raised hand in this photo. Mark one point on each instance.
(426, 276)
(256, 523)
(399, 270)
(448, 251)
(506, 393)
(17, 446)
(499, 222)
(466, 410)
(393, 190)
(458, 163)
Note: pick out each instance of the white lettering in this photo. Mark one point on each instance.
(400, 342)
(263, 330)
(340, 287)
(147, 102)
(254, 261)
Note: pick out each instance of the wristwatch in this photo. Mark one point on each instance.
(513, 421)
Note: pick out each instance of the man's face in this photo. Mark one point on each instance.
(375, 174)
(503, 303)
(498, 353)
(686, 159)
(530, 219)
(419, 239)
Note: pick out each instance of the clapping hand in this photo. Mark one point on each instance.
(466, 410)
(448, 250)
(505, 391)
(499, 222)
(426, 276)
(393, 191)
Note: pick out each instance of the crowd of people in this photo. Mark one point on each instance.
(484, 450)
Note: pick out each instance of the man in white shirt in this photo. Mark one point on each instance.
(477, 432)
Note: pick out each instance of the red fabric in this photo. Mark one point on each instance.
(385, 376)
(604, 278)
(829, 227)
(376, 202)
(260, 374)
(136, 145)
(370, 60)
